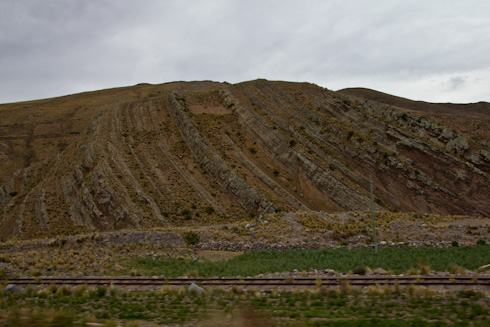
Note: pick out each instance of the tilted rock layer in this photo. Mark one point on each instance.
(205, 152)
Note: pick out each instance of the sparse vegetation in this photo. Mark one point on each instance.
(343, 306)
(175, 138)
(186, 213)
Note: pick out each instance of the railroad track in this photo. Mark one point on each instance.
(460, 281)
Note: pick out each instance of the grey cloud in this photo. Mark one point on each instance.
(456, 82)
(55, 47)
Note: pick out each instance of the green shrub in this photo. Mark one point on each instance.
(455, 244)
(191, 238)
(481, 242)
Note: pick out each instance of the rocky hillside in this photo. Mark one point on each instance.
(469, 119)
(194, 153)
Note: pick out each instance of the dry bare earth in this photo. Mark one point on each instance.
(207, 153)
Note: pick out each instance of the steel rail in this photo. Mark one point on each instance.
(350, 277)
(254, 281)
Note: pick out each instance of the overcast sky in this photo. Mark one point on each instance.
(432, 50)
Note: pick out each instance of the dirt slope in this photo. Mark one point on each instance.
(205, 152)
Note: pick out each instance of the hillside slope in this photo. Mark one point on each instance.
(206, 152)
(480, 108)
(470, 119)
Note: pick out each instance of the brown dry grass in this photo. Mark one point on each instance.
(217, 255)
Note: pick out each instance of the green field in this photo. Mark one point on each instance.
(252, 263)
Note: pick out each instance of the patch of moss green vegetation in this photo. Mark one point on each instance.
(176, 307)
(252, 263)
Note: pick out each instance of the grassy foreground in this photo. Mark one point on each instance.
(251, 308)
(252, 263)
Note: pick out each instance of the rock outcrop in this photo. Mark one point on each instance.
(204, 152)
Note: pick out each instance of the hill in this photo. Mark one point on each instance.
(195, 153)
(480, 108)
(470, 119)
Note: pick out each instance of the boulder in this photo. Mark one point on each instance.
(485, 267)
(194, 289)
(380, 271)
(12, 288)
